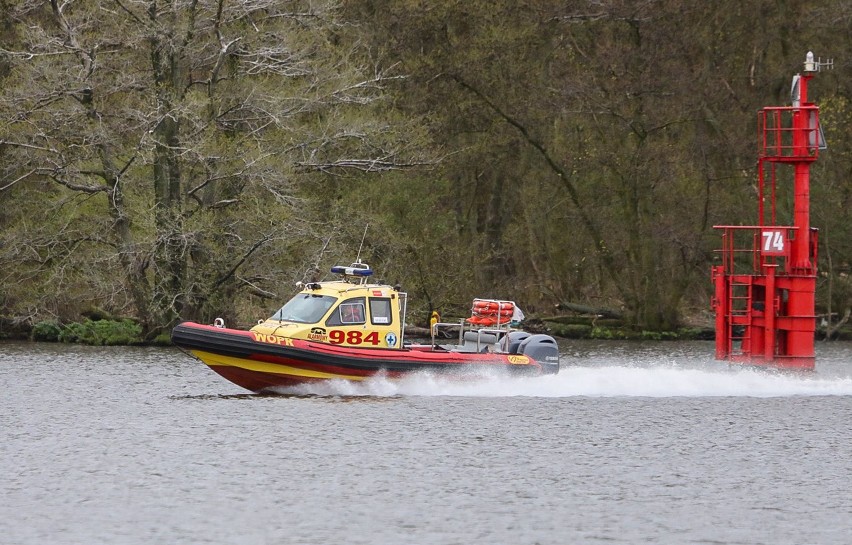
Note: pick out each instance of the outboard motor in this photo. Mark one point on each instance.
(543, 349)
(512, 341)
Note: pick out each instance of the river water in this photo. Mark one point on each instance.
(631, 443)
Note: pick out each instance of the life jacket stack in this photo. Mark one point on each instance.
(490, 312)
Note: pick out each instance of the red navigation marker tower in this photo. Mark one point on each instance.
(765, 284)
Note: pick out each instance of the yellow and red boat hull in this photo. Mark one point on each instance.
(261, 362)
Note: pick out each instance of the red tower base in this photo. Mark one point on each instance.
(764, 316)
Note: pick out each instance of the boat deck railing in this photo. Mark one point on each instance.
(472, 338)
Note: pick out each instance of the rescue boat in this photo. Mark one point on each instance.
(352, 329)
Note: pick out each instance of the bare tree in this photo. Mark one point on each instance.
(183, 134)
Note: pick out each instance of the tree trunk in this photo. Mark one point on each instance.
(170, 255)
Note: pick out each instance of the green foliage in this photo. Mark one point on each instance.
(569, 331)
(47, 331)
(163, 339)
(608, 333)
(102, 332)
(658, 335)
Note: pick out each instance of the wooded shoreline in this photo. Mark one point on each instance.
(108, 331)
(192, 160)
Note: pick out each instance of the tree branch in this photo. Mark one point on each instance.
(13, 182)
(242, 260)
(364, 165)
(90, 189)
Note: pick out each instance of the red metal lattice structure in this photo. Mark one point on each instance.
(764, 287)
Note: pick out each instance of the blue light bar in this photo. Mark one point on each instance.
(352, 271)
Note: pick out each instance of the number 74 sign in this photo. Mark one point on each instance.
(773, 242)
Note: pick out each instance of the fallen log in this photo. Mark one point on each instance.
(584, 309)
(446, 332)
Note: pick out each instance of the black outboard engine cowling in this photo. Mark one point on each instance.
(543, 349)
(512, 341)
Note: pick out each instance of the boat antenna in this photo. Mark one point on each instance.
(364, 236)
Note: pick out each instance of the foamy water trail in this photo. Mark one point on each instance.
(612, 381)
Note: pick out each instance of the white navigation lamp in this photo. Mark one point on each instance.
(810, 65)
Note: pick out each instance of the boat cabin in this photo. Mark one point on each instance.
(349, 311)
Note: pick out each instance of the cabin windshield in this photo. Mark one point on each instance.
(305, 308)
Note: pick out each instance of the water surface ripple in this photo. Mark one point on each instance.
(631, 443)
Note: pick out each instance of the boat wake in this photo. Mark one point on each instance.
(604, 381)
